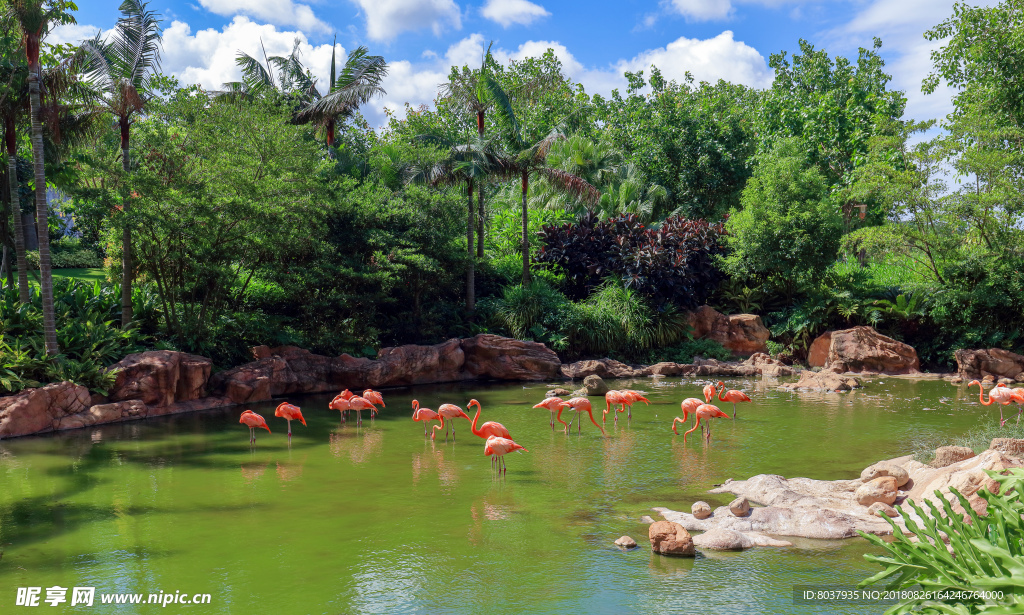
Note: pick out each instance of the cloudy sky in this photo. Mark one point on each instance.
(596, 40)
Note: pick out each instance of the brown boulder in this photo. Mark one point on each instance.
(994, 362)
(881, 489)
(881, 508)
(559, 392)
(948, 455)
(626, 542)
(247, 383)
(160, 377)
(1008, 446)
(106, 413)
(740, 507)
(744, 334)
(817, 354)
(595, 385)
(605, 368)
(825, 380)
(885, 468)
(504, 358)
(670, 538)
(42, 409)
(862, 349)
(768, 366)
(701, 510)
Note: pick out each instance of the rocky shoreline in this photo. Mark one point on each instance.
(838, 509)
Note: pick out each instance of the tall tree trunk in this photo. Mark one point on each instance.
(480, 195)
(19, 231)
(330, 139)
(8, 271)
(526, 231)
(126, 238)
(42, 225)
(470, 262)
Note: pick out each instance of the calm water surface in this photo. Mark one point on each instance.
(377, 519)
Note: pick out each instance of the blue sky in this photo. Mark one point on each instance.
(596, 40)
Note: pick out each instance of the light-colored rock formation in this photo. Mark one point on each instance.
(721, 539)
(862, 349)
(595, 385)
(948, 455)
(701, 510)
(559, 392)
(740, 507)
(885, 468)
(881, 508)
(881, 489)
(825, 381)
(670, 538)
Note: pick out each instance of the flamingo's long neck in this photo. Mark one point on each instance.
(692, 429)
(476, 418)
(721, 393)
(981, 396)
(436, 427)
(591, 415)
(558, 417)
(415, 409)
(677, 420)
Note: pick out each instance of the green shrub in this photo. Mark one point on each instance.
(986, 553)
(686, 352)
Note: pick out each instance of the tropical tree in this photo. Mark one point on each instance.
(525, 159)
(33, 19)
(122, 68)
(13, 104)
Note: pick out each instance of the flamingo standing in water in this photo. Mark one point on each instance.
(424, 415)
(340, 404)
(579, 404)
(450, 411)
(497, 447)
(552, 405)
(614, 398)
(632, 397)
(373, 397)
(709, 392)
(689, 406)
(999, 395)
(705, 412)
(290, 412)
(252, 420)
(488, 429)
(1018, 394)
(359, 404)
(733, 396)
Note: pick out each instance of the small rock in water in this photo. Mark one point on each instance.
(701, 510)
(1007, 381)
(595, 385)
(626, 542)
(881, 508)
(721, 539)
(646, 519)
(948, 455)
(559, 392)
(956, 380)
(740, 507)
(669, 538)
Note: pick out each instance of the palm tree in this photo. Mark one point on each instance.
(13, 103)
(121, 69)
(359, 82)
(526, 159)
(33, 19)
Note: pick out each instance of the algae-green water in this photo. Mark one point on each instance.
(379, 519)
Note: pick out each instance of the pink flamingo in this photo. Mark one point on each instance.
(359, 404)
(451, 411)
(999, 395)
(733, 396)
(346, 394)
(252, 420)
(614, 398)
(425, 415)
(488, 429)
(705, 412)
(579, 404)
(552, 405)
(710, 391)
(497, 447)
(1018, 394)
(689, 406)
(633, 397)
(373, 397)
(341, 404)
(290, 412)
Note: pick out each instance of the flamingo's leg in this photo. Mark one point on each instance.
(289, 427)
(733, 409)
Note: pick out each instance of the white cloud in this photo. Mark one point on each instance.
(385, 19)
(277, 12)
(508, 12)
(71, 33)
(702, 10)
(721, 57)
(207, 57)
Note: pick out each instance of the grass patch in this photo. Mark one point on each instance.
(86, 275)
(978, 438)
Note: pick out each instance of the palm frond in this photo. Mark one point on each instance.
(256, 78)
(572, 184)
(503, 106)
(360, 80)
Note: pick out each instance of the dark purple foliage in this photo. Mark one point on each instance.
(674, 262)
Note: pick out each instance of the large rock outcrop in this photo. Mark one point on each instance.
(744, 334)
(862, 349)
(756, 365)
(810, 508)
(41, 410)
(995, 362)
(502, 358)
(160, 377)
(824, 381)
(817, 354)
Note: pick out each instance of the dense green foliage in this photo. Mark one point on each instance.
(984, 553)
(271, 213)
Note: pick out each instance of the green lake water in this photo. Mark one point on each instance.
(378, 519)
